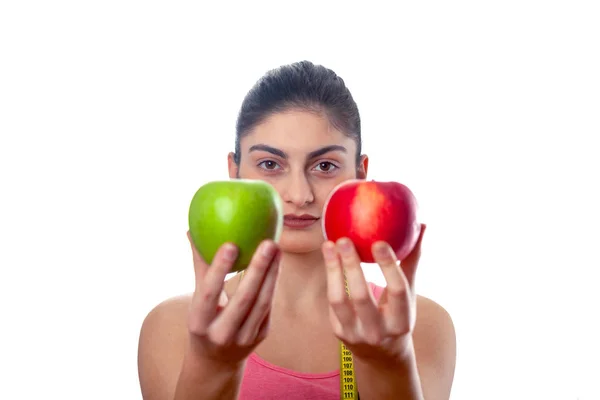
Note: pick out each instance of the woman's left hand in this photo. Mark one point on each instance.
(379, 331)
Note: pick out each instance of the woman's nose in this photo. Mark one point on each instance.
(298, 190)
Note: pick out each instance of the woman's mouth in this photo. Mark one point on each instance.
(299, 221)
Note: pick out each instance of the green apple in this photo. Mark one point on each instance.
(240, 211)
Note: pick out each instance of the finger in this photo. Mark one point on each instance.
(263, 329)
(228, 322)
(360, 294)
(262, 306)
(207, 297)
(347, 333)
(200, 266)
(383, 298)
(411, 262)
(339, 302)
(396, 291)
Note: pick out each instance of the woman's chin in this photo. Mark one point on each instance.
(300, 241)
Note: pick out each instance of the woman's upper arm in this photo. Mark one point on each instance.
(434, 339)
(161, 349)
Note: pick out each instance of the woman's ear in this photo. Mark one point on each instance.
(232, 166)
(363, 167)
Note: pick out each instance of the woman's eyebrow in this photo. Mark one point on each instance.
(311, 155)
(268, 149)
(326, 149)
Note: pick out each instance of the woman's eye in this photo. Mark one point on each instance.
(326, 166)
(268, 164)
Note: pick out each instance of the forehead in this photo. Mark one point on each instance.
(300, 131)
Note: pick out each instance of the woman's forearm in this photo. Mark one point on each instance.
(208, 380)
(399, 380)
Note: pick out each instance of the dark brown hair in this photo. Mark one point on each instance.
(301, 85)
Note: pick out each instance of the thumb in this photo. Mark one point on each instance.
(411, 262)
(200, 266)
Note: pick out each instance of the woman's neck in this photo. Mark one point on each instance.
(302, 283)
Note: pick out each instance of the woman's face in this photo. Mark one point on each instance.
(304, 158)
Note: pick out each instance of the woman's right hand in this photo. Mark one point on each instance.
(226, 330)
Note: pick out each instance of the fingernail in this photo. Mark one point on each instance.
(381, 250)
(230, 252)
(267, 249)
(329, 252)
(345, 245)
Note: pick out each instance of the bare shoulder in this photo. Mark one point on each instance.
(161, 347)
(434, 339)
(432, 312)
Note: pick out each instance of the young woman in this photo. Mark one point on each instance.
(275, 332)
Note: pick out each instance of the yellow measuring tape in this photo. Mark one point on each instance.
(348, 387)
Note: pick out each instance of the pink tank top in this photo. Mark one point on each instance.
(265, 381)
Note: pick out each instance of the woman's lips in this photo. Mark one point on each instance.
(299, 221)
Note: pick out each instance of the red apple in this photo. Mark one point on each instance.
(370, 211)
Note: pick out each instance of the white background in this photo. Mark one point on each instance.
(113, 113)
